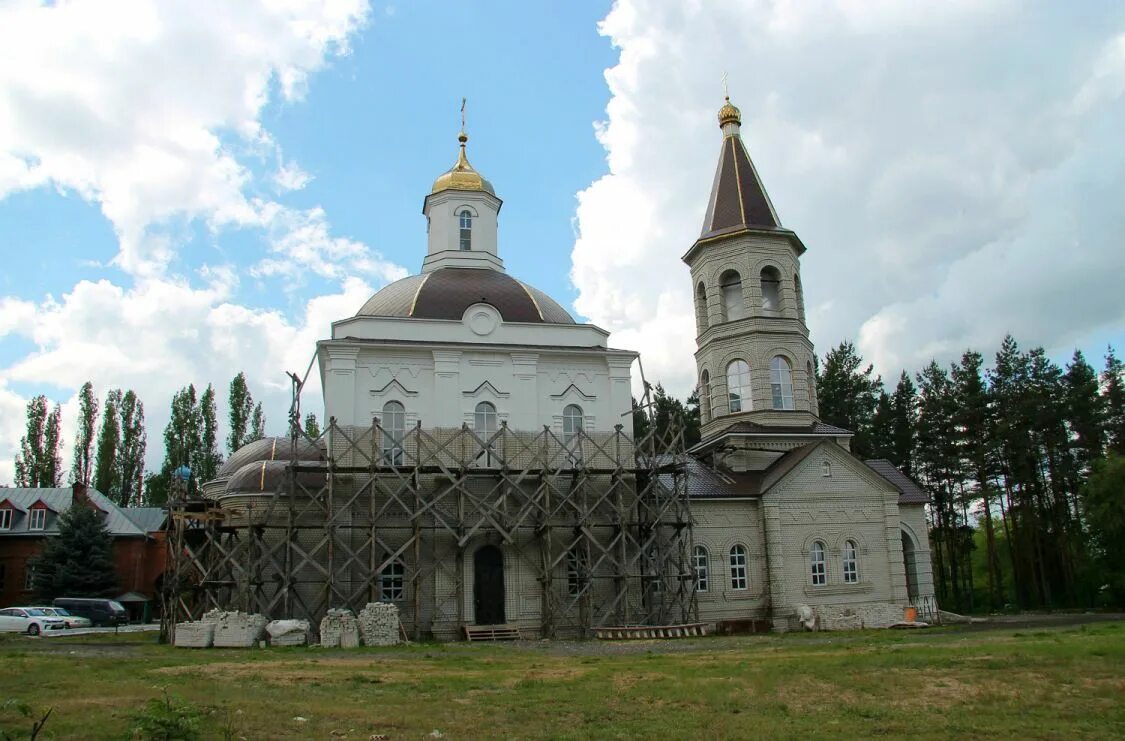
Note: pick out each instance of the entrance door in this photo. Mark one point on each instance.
(488, 585)
(910, 563)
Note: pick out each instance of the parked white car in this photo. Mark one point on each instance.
(72, 621)
(29, 620)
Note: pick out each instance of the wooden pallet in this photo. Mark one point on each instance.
(650, 632)
(492, 633)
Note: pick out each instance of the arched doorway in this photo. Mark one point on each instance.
(910, 564)
(488, 586)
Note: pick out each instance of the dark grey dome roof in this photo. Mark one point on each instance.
(268, 449)
(272, 476)
(446, 293)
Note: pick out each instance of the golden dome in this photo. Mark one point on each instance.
(729, 113)
(462, 176)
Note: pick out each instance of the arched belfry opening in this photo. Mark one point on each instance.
(734, 305)
(488, 586)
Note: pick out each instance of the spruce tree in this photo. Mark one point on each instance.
(82, 468)
(78, 562)
(883, 429)
(904, 403)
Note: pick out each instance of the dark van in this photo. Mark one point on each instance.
(99, 611)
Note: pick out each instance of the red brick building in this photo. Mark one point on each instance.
(29, 516)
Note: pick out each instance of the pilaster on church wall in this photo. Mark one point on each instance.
(525, 383)
(446, 402)
(340, 383)
(620, 394)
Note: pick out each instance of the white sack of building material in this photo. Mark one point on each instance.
(288, 632)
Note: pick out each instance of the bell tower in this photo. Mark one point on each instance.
(754, 360)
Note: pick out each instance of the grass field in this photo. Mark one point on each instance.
(1061, 682)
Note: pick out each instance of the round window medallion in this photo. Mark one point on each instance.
(482, 322)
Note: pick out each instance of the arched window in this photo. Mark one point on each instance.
(817, 565)
(701, 308)
(705, 396)
(700, 564)
(484, 424)
(572, 421)
(466, 219)
(734, 305)
(771, 289)
(738, 386)
(391, 580)
(800, 297)
(394, 429)
(826, 469)
(738, 578)
(851, 563)
(781, 383)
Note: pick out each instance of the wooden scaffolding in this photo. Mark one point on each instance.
(595, 529)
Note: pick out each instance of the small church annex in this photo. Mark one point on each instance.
(480, 467)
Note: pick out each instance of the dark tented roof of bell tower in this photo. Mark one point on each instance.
(738, 198)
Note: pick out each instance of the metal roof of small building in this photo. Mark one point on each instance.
(446, 293)
(59, 500)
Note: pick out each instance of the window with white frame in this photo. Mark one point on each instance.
(826, 469)
(391, 581)
(851, 563)
(738, 386)
(700, 563)
(817, 566)
(37, 519)
(466, 221)
(484, 424)
(572, 422)
(394, 429)
(5, 519)
(781, 382)
(738, 578)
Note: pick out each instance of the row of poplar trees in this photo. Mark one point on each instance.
(1024, 462)
(110, 441)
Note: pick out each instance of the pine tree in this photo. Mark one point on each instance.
(1113, 394)
(105, 465)
(1084, 411)
(905, 405)
(1105, 512)
(882, 429)
(241, 405)
(257, 424)
(847, 396)
(82, 468)
(131, 453)
(973, 419)
(208, 458)
(78, 562)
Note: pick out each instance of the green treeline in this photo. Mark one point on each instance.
(1023, 461)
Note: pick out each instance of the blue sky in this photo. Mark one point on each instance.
(190, 189)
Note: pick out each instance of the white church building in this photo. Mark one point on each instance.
(475, 469)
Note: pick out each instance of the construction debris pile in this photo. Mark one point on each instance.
(379, 624)
(288, 632)
(339, 629)
(236, 629)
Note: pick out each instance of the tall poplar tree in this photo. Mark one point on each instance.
(257, 424)
(82, 467)
(241, 406)
(207, 458)
(105, 464)
(39, 462)
(131, 452)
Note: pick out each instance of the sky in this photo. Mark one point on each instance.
(193, 189)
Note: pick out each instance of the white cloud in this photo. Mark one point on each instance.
(150, 108)
(955, 170)
(156, 338)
